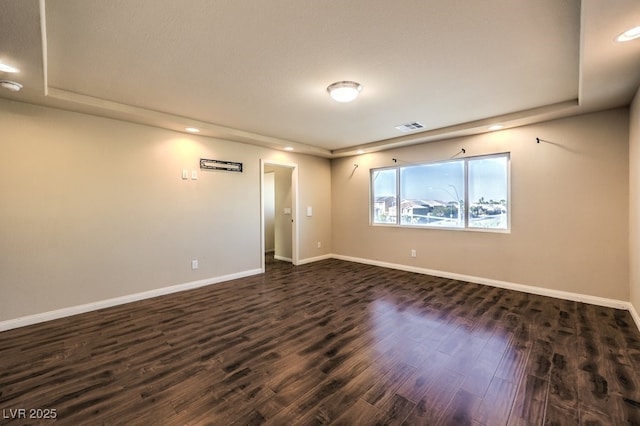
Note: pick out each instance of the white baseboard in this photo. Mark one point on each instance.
(634, 314)
(79, 309)
(558, 294)
(315, 259)
(284, 259)
(94, 306)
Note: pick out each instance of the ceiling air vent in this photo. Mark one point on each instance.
(408, 127)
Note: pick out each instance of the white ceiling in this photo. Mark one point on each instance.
(257, 71)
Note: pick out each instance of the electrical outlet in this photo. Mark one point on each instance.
(194, 264)
(319, 244)
(413, 253)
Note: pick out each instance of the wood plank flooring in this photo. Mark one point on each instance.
(331, 342)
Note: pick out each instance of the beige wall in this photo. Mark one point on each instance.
(93, 209)
(569, 204)
(317, 195)
(634, 203)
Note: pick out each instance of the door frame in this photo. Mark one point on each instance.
(294, 209)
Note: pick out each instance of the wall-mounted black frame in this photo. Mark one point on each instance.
(229, 166)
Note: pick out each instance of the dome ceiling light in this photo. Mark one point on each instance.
(11, 85)
(344, 91)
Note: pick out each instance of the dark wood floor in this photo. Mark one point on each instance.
(329, 343)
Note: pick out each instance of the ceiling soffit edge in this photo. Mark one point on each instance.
(110, 109)
(519, 118)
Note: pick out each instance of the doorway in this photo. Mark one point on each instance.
(279, 204)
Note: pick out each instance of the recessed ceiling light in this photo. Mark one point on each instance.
(496, 127)
(192, 129)
(344, 91)
(629, 35)
(11, 85)
(360, 151)
(288, 148)
(8, 68)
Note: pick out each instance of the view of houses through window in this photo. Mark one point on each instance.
(464, 193)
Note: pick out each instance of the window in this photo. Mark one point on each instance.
(384, 185)
(433, 194)
(488, 187)
(469, 193)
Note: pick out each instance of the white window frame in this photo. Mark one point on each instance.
(466, 213)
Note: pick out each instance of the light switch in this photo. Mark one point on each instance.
(194, 174)
(309, 211)
(185, 174)
(287, 210)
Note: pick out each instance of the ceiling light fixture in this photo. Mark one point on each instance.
(8, 68)
(192, 129)
(629, 35)
(344, 91)
(288, 148)
(11, 85)
(496, 127)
